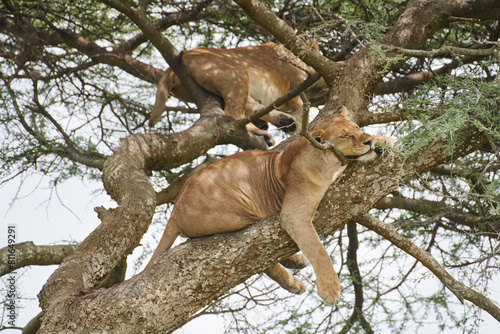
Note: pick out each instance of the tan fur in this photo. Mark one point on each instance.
(241, 189)
(247, 78)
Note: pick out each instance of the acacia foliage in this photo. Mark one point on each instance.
(78, 77)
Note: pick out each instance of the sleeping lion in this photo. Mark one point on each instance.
(247, 78)
(241, 189)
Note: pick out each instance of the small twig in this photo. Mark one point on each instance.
(444, 50)
(326, 145)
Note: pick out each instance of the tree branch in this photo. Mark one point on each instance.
(286, 35)
(89, 159)
(357, 282)
(430, 208)
(100, 54)
(119, 56)
(311, 79)
(460, 290)
(410, 81)
(419, 21)
(446, 50)
(29, 254)
(197, 12)
(325, 145)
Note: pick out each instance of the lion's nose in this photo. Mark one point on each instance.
(368, 142)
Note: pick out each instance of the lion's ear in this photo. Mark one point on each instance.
(346, 113)
(319, 135)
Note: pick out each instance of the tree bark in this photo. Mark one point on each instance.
(28, 254)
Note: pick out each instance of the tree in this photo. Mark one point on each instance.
(77, 81)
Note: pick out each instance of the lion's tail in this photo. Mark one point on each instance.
(167, 239)
(167, 82)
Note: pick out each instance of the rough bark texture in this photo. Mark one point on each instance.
(27, 253)
(192, 275)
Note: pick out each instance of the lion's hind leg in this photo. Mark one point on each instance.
(285, 279)
(296, 261)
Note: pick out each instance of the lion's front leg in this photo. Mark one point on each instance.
(296, 219)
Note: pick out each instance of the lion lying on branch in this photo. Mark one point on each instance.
(247, 78)
(241, 189)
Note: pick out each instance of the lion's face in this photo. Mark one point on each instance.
(346, 135)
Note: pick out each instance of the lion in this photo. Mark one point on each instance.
(241, 189)
(247, 78)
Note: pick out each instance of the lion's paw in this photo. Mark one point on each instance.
(296, 261)
(269, 140)
(330, 293)
(296, 286)
(287, 124)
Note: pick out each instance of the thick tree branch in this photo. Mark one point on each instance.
(205, 101)
(286, 35)
(431, 208)
(29, 254)
(460, 290)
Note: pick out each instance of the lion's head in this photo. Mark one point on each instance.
(353, 143)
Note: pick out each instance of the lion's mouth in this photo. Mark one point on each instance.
(356, 157)
(377, 150)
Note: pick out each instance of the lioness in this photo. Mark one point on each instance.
(241, 189)
(247, 78)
